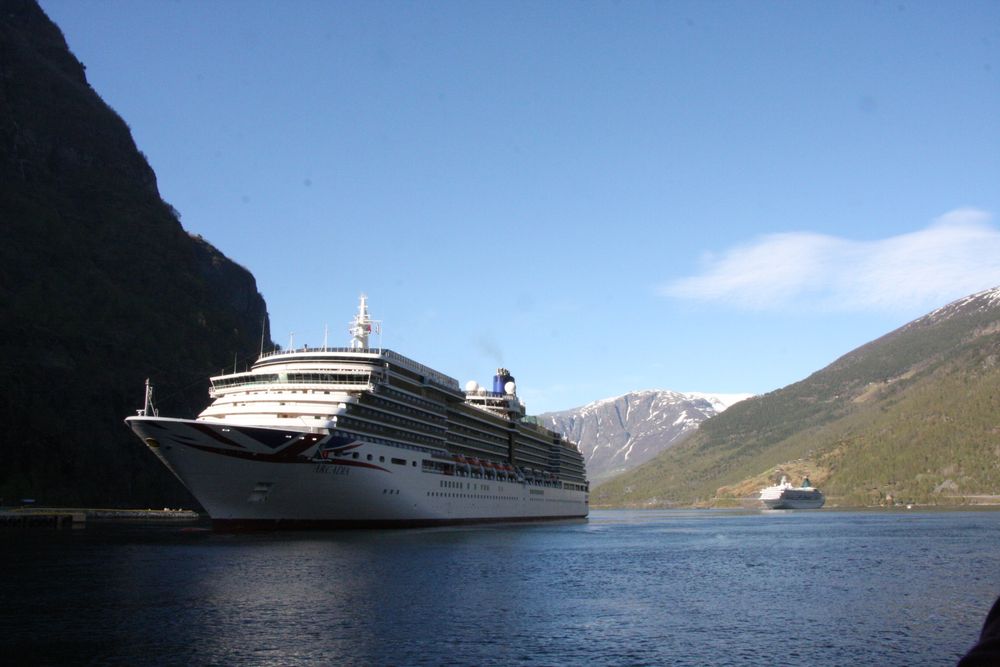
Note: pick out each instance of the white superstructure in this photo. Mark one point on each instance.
(784, 496)
(363, 436)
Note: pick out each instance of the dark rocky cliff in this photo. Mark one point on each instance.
(100, 287)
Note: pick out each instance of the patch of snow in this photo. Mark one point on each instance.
(986, 299)
(628, 448)
(720, 402)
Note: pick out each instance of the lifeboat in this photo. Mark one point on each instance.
(461, 463)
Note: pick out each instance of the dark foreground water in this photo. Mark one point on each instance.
(623, 588)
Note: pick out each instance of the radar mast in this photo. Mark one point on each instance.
(362, 326)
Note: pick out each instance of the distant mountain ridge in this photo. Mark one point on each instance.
(619, 433)
(913, 416)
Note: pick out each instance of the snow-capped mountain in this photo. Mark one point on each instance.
(617, 434)
(981, 302)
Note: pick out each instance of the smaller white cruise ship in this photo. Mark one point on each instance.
(784, 496)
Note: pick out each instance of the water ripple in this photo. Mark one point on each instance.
(625, 588)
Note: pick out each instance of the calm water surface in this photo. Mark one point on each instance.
(623, 588)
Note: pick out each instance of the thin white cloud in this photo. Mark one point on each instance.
(958, 254)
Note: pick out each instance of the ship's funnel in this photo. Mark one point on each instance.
(501, 379)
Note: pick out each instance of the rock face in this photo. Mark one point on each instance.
(48, 129)
(618, 434)
(100, 287)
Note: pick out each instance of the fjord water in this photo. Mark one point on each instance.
(622, 588)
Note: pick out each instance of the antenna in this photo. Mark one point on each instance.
(291, 341)
(261, 337)
(148, 407)
(326, 333)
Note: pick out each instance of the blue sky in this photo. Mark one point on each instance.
(602, 197)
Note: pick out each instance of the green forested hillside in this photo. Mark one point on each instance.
(912, 417)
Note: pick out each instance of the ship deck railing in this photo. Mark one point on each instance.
(373, 353)
(284, 385)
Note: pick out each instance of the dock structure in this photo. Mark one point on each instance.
(48, 517)
(41, 519)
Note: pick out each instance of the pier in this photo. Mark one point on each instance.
(49, 517)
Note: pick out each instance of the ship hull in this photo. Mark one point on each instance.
(269, 478)
(812, 502)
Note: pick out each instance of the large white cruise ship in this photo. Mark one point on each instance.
(365, 437)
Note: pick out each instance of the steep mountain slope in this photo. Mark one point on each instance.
(618, 434)
(100, 287)
(913, 416)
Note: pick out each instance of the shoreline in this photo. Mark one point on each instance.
(21, 517)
